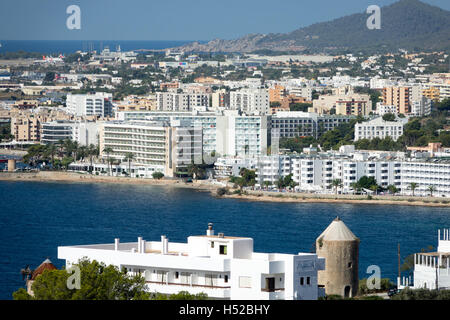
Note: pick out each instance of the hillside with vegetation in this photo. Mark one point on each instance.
(406, 24)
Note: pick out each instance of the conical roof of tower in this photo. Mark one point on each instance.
(337, 231)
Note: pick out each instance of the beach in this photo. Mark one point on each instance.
(205, 185)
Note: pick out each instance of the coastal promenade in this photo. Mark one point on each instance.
(205, 185)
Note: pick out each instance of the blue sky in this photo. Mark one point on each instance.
(171, 19)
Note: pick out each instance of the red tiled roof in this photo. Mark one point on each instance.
(46, 265)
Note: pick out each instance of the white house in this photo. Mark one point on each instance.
(431, 269)
(223, 267)
(378, 128)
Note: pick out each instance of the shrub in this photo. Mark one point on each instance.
(157, 175)
(221, 191)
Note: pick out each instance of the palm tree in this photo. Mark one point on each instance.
(355, 186)
(413, 187)
(128, 157)
(336, 183)
(92, 151)
(51, 150)
(431, 189)
(108, 151)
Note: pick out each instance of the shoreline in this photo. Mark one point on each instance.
(202, 185)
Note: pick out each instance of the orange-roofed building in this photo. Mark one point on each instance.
(46, 265)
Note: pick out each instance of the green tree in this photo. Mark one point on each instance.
(196, 171)
(389, 117)
(108, 151)
(21, 294)
(336, 183)
(392, 189)
(66, 161)
(413, 186)
(97, 282)
(157, 175)
(185, 295)
(431, 189)
(128, 157)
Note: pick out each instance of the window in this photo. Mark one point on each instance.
(349, 264)
(308, 280)
(245, 282)
(176, 275)
(225, 279)
(212, 244)
(223, 250)
(302, 281)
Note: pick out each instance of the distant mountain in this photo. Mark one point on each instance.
(407, 24)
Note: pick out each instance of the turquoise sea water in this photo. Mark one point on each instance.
(36, 218)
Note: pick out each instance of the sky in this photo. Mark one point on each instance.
(171, 19)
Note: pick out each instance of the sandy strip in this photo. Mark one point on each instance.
(57, 176)
(297, 198)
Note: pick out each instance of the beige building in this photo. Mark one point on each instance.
(27, 129)
(354, 104)
(277, 93)
(400, 97)
(134, 103)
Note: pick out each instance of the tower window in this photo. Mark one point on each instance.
(302, 281)
(350, 264)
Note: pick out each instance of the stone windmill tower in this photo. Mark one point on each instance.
(340, 248)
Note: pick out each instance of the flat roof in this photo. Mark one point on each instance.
(224, 237)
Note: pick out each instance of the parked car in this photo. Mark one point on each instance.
(393, 291)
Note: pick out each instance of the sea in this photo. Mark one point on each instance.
(70, 46)
(37, 217)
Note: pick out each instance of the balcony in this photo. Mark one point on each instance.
(173, 288)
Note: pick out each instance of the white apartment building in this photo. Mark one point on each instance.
(250, 101)
(223, 267)
(226, 133)
(435, 173)
(83, 132)
(304, 92)
(316, 173)
(383, 109)
(171, 101)
(155, 146)
(271, 168)
(421, 107)
(99, 104)
(297, 123)
(378, 128)
(431, 269)
(231, 166)
(240, 135)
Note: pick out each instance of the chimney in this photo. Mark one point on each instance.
(139, 246)
(116, 244)
(210, 231)
(143, 246)
(164, 245)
